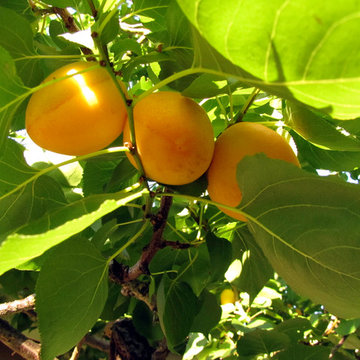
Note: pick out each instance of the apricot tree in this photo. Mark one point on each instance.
(121, 249)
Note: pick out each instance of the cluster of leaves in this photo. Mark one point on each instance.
(292, 65)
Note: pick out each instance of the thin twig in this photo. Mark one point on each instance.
(18, 305)
(338, 346)
(76, 352)
(140, 291)
(177, 244)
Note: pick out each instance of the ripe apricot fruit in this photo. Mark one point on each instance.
(174, 138)
(232, 145)
(76, 115)
(227, 296)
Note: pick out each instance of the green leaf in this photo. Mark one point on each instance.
(155, 9)
(11, 88)
(70, 294)
(220, 252)
(255, 268)
(196, 270)
(304, 352)
(177, 306)
(261, 342)
(97, 173)
(21, 7)
(110, 23)
(36, 237)
(347, 327)
(317, 128)
(142, 318)
(18, 41)
(61, 3)
(208, 315)
(206, 85)
(326, 159)
(30, 201)
(13, 168)
(307, 50)
(307, 226)
(294, 328)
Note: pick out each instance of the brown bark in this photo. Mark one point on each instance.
(18, 305)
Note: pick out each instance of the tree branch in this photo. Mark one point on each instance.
(122, 274)
(18, 305)
(97, 342)
(73, 28)
(140, 291)
(18, 342)
(338, 346)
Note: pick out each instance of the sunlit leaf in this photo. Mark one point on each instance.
(52, 228)
(308, 50)
(307, 227)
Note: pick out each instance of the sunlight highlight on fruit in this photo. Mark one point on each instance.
(89, 95)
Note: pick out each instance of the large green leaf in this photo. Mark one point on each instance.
(177, 307)
(52, 228)
(308, 50)
(308, 227)
(70, 294)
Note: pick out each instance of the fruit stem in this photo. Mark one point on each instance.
(240, 115)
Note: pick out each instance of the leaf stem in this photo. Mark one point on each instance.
(238, 117)
(130, 241)
(203, 200)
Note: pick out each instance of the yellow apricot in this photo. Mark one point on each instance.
(77, 115)
(174, 138)
(232, 145)
(227, 296)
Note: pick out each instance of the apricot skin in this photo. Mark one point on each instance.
(77, 115)
(231, 146)
(174, 138)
